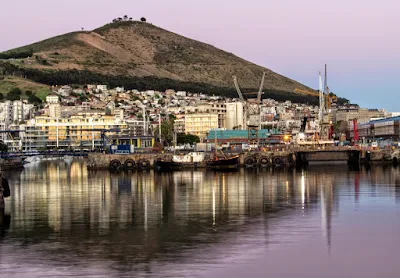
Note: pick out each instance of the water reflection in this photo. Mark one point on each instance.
(146, 222)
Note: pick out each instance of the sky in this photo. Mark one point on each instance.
(359, 40)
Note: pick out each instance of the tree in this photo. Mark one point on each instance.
(3, 147)
(1, 96)
(143, 19)
(130, 19)
(14, 94)
(28, 92)
(183, 138)
(125, 17)
(34, 99)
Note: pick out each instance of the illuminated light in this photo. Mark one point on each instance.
(303, 190)
(286, 137)
(213, 205)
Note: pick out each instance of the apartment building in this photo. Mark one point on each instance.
(210, 108)
(14, 112)
(199, 124)
(78, 131)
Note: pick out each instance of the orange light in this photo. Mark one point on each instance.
(286, 137)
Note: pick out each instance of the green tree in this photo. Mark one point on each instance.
(83, 98)
(1, 96)
(183, 138)
(3, 147)
(14, 94)
(34, 99)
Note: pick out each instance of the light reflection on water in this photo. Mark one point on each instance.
(68, 221)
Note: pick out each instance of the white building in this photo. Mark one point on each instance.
(101, 88)
(54, 110)
(234, 116)
(14, 112)
(65, 91)
(52, 98)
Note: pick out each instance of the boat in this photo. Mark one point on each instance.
(224, 163)
(192, 159)
(165, 166)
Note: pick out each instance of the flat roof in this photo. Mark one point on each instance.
(397, 118)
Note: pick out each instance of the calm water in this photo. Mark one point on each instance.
(62, 220)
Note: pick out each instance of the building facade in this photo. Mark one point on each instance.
(234, 116)
(200, 124)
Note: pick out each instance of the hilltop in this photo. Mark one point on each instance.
(143, 56)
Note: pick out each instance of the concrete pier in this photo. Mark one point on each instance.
(282, 158)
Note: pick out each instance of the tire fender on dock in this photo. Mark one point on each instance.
(264, 161)
(250, 161)
(278, 161)
(129, 164)
(144, 164)
(115, 165)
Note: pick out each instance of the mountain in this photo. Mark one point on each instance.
(141, 55)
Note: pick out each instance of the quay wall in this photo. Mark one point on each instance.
(283, 157)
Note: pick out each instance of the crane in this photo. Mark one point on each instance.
(252, 111)
(329, 99)
(325, 102)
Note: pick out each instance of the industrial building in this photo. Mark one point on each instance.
(387, 128)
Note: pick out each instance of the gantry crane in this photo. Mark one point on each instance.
(252, 111)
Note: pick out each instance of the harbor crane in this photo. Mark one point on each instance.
(252, 111)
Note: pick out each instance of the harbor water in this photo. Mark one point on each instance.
(324, 221)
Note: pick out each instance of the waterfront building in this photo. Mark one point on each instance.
(362, 115)
(386, 128)
(78, 131)
(200, 123)
(210, 108)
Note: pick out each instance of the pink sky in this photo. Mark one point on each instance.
(359, 40)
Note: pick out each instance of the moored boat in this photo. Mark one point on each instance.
(161, 165)
(190, 160)
(224, 163)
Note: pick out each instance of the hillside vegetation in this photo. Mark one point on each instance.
(142, 56)
(8, 83)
